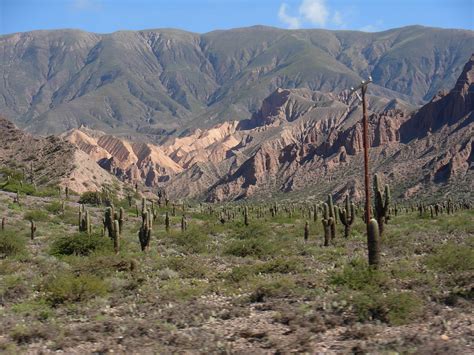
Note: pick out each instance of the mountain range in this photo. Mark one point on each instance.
(154, 82)
(247, 113)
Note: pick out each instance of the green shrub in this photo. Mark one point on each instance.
(187, 267)
(182, 290)
(452, 258)
(67, 287)
(54, 207)
(275, 266)
(14, 174)
(250, 247)
(193, 241)
(252, 231)
(24, 334)
(16, 186)
(47, 191)
(36, 215)
(91, 198)
(78, 244)
(278, 287)
(395, 308)
(358, 276)
(402, 307)
(11, 244)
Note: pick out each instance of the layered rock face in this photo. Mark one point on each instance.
(129, 161)
(445, 108)
(309, 142)
(53, 160)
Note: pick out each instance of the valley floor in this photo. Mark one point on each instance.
(231, 288)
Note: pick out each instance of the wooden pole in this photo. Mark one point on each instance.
(366, 157)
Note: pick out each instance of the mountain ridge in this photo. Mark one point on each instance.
(130, 82)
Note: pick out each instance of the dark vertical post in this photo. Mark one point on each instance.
(366, 157)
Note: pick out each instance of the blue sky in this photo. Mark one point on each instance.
(105, 16)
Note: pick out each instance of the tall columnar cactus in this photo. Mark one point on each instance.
(153, 211)
(333, 217)
(306, 231)
(222, 218)
(382, 202)
(184, 223)
(347, 216)
(327, 222)
(144, 234)
(373, 244)
(144, 205)
(116, 236)
(450, 206)
(315, 213)
(84, 221)
(109, 222)
(246, 216)
(167, 221)
(32, 229)
(121, 219)
(4, 221)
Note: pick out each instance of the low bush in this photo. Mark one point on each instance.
(274, 266)
(17, 186)
(36, 215)
(251, 247)
(394, 308)
(11, 244)
(54, 207)
(91, 198)
(79, 244)
(193, 241)
(356, 275)
(277, 287)
(67, 287)
(451, 258)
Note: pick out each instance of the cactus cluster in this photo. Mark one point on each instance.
(327, 222)
(84, 220)
(144, 234)
(381, 205)
(184, 223)
(347, 216)
(113, 224)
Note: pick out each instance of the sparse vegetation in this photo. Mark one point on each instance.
(248, 278)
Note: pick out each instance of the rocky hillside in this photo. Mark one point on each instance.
(50, 160)
(155, 81)
(309, 142)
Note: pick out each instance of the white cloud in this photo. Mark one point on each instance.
(315, 11)
(292, 22)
